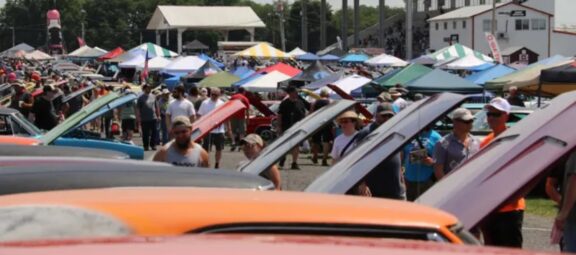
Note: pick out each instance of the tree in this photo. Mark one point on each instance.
(294, 26)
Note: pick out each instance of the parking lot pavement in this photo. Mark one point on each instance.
(536, 229)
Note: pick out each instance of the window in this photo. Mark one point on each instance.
(445, 25)
(464, 24)
(437, 26)
(522, 24)
(453, 24)
(487, 25)
(538, 24)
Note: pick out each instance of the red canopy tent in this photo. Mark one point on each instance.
(280, 67)
(112, 54)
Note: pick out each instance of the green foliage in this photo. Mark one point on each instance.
(113, 23)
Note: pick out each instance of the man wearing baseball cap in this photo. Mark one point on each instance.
(504, 227)
(457, 146)
(252, 145)
(182, 151)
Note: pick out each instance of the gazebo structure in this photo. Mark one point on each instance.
(219, 18)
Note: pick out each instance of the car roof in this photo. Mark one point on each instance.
(169, 210)
(248, 244)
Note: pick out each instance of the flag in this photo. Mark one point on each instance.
(144, 74)
(81, 41)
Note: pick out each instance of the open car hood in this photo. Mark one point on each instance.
(77, 93)
(509, 166)
(206, 123)
(88, 113)
(295, 135)
(256, 102)
(384, 142)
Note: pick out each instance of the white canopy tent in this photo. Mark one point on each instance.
(297, 52)
(266, 83)
(386, 60)
(155, 64)
(37, 55)
(347, 84)
(467, 62)
(134, 62)
(184, 64)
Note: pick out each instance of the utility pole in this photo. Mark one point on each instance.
(493, 17)
(356, 23)
(13, 36)
(280, 13)
(344, 24)
(304, 13)
(409, 9)
(381, 36)
(83, 12)
(322, 24)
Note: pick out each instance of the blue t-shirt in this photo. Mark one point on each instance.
(417, 172)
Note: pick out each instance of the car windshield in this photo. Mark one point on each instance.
(27, 124)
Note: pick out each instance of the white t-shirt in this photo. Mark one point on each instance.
(181, 107)
(207, 106)
(339, 143)
(400, 103)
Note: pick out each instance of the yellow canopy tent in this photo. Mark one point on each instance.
(262, 50)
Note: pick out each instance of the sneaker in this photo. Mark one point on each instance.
(295, 166)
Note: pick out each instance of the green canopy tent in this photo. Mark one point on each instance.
(400, 76)
(438, 81)
(221, 79)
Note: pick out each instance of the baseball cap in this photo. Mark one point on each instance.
(253, 139)
(462, 114)
(385, 96)
(182, 120)
(385, 108)
(499, 104)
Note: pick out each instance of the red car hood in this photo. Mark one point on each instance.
(246, 244)
(207, 123)
(509, 166)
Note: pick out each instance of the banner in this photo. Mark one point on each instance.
(493, 43)
(81, 42)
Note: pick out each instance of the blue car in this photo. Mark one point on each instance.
(69, 132)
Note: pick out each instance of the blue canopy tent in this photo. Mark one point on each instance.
(329, 57)
(308, 57)
(325, 81)
(354, 58)
(489, 74)
(211, 60)
(438, 81)
(243, 72)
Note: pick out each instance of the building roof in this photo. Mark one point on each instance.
(204, 17)
(463, 13)
(471, 11)
(513, 49)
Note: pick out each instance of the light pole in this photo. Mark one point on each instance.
(83, 12)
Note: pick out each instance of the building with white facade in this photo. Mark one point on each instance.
(530, 24)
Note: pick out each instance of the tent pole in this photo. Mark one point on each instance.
(539, 93)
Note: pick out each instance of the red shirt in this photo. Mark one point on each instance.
(245, 101)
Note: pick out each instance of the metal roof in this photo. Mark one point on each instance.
(464, 12)
(204, 17)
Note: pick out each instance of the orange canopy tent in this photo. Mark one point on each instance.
(112, 54)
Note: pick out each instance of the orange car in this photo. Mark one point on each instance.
(19, 140)
(175, 211)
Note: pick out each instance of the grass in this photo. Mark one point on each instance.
(541, 207)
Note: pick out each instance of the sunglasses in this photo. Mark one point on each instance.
(342, 121)
(466, 121)
(494, 114)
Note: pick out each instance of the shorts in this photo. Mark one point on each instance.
(238, 126)
(128, 125)
(325, 135)
(216, 139)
